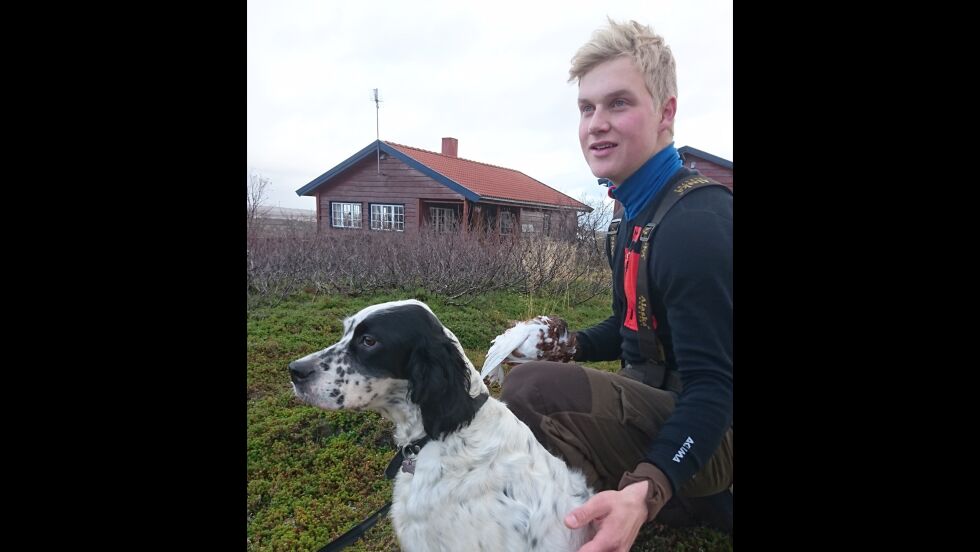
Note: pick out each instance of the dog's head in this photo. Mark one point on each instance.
(389, 351)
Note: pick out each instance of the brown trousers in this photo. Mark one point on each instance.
(602, 423)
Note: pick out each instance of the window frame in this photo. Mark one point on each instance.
(511, 217)
(356, 223)
(394, 217)
(444, 223)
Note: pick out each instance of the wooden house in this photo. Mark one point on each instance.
(712, 166)
(392, 187)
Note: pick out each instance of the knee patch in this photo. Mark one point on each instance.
(548, 387)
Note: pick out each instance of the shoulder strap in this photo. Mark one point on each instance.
(611, 240)
(650, 346)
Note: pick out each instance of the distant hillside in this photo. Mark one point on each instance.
(287, 213)
(282, 221)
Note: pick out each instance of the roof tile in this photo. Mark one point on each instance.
(490, 181)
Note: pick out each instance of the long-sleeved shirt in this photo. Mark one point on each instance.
(691, 288)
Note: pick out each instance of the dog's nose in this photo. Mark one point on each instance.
(299, 370)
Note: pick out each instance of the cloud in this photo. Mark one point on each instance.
(492, 76)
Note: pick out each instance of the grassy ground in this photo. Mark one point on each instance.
(313, 474)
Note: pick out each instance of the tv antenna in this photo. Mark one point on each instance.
(377, 113)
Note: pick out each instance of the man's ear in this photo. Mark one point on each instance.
(667, 113)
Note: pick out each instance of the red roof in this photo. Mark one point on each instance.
(490, 181)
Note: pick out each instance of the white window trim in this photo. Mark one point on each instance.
(443, 219)
(396, 217)
(509, 215)
(355, 219)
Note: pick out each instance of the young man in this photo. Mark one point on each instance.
(660, 449)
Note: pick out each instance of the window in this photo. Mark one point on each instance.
(506, 222)
(527, 228)
(345, 215)
(388, 217)
(546, 224)
(443, 219)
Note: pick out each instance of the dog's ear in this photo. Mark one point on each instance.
(439, 382)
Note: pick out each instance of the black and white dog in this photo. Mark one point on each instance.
(480, 480)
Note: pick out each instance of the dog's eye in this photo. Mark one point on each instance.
(368, 341)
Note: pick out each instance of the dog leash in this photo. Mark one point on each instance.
(401, 460)
(348, 538)
(404, 459)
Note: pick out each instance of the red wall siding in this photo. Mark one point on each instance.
(397, 184)
(712, 170)
(534, 217)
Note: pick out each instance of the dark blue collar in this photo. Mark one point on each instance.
(637, 191)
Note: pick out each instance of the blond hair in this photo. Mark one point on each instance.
(648, 50)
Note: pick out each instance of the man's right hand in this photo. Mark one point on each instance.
(541, 338)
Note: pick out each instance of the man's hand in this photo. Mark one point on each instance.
(555, 343)
(617, 516)
(541, 338)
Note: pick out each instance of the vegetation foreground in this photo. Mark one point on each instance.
(313, 474)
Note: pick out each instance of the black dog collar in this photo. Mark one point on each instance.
(405, 458)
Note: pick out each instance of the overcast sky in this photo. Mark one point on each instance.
(491, 74)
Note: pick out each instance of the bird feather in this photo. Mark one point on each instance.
(520, 343)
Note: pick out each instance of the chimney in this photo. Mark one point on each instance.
(450, 146)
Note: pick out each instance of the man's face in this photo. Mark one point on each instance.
(619, 122)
